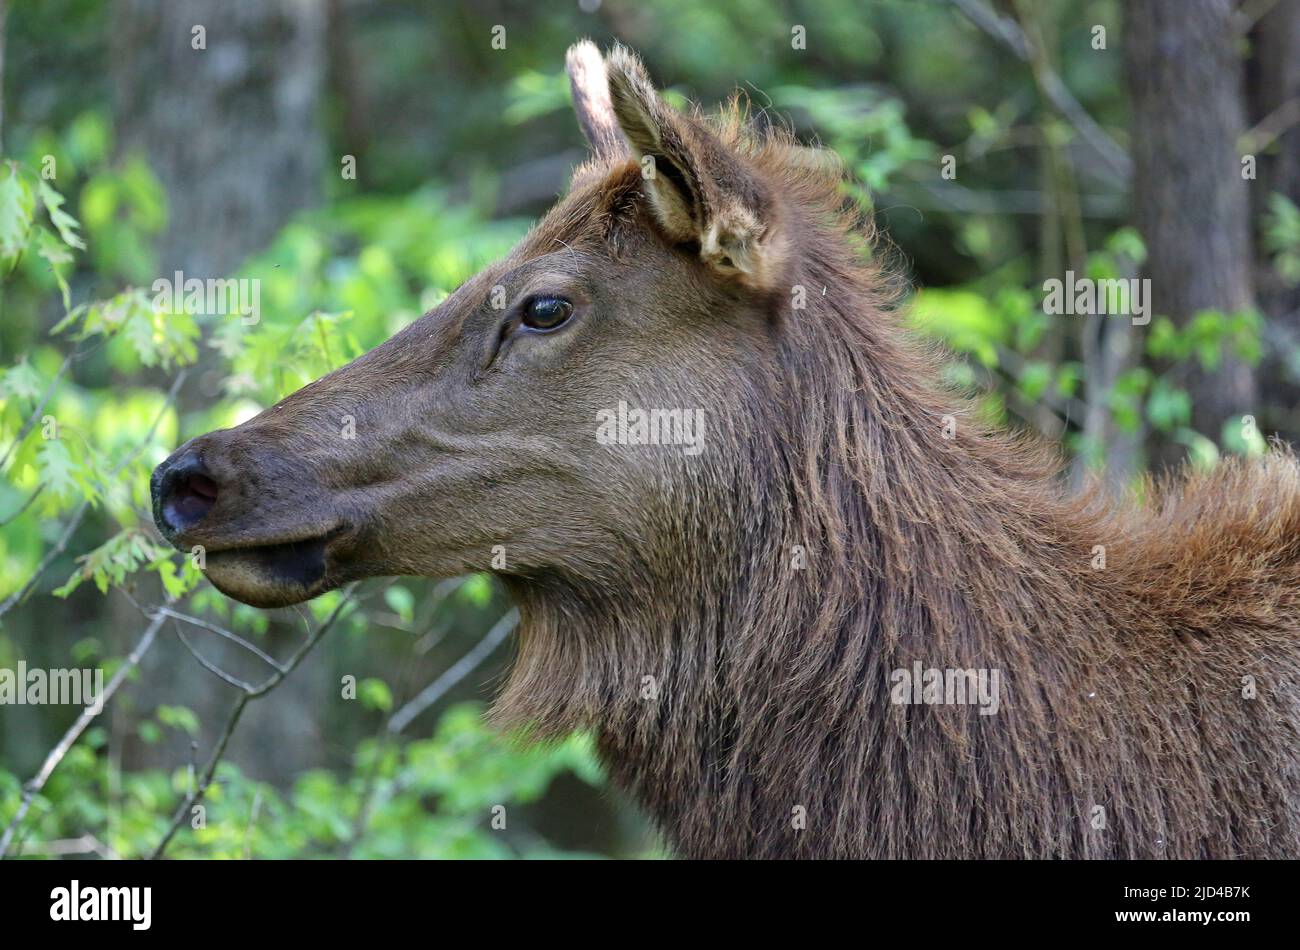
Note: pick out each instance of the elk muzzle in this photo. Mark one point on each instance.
(260, 528)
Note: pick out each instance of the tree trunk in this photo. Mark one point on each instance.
(233, 130)
(1273, 81)
(1190, 200)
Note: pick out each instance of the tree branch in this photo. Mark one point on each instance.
(246, 695)
(62, 847)
(224, 633)
(1272, 127)
(227, 678)
(458, 671)
(1010, 36)
(23, 507)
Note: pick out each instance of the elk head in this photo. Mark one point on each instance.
(472, 439)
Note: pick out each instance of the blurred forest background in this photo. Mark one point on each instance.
(360, 159)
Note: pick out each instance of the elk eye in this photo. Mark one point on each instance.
(546, 313)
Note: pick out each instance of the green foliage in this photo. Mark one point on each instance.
(156, 336)
(115, 559)
(867, 130)
(533, 93)
(15, 213)
(1282, 237)
(965, 320)
(432, 798)
(1207, 337)
(359, 274)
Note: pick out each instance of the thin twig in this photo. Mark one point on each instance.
(1012, 37)
(1272, 127)
(227, 678)
(196, 794)
(458, 671)
(226, 634)
(950, 196)
(1249, 13)
(362, 820)
(25, 505)
(61, 847)
(252, 820)
(385, 739)
(176, 616)
(59, 546)
(245, 696)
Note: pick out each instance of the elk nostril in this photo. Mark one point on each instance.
(184, 493)
(202, 486)
(190, 499)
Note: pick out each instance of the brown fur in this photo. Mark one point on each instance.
(770, 698)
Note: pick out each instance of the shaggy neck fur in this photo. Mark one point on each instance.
(738, 673)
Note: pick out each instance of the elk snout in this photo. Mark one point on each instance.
(183, 491)
(262, 527)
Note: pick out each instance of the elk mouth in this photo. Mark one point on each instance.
(274, 574)
(272, 555)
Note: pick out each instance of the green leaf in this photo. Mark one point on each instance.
(15, 213)
(401, 601)
(375, 694)
(1034, 379)
(179, 717)
(1243, 437)
(534, 94)
(149, 732)
(66, 224)
(177, 582)
(1127, 242)
(477, 590)
(1282, 237)
(58, 256)
(58, 470)
(1168, 407)
(963, 319)
(157, 338)
(1164, 341)
(111, 562)
(1202, 451)
(22, 381)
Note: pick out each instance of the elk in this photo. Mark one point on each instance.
(762, 634)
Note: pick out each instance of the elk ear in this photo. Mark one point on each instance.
(699, 189)
(591, 101)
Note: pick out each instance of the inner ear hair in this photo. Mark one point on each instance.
(638, 110)
(653, 129)
(700, 191)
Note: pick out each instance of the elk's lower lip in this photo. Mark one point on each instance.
(272, 575)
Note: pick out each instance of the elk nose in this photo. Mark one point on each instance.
(183, 493)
